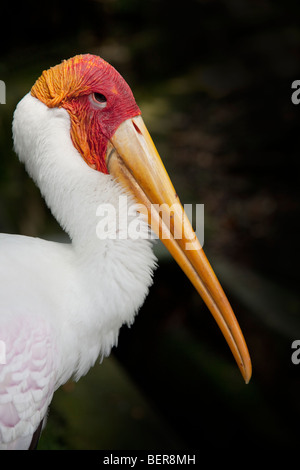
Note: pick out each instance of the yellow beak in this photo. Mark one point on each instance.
(133, 160)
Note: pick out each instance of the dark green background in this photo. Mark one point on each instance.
(213, 80)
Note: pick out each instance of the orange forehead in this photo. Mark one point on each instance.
(73, 77)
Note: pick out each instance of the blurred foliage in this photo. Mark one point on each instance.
(213, 80)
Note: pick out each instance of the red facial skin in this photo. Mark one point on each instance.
(72, 85)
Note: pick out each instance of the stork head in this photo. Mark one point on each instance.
(110, 135)
(97, 99)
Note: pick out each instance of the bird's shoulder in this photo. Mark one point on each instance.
(27, 261)
(11, 244)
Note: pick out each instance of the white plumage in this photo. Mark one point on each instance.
(70, 299)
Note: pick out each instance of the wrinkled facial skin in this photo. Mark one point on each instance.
(75, 85)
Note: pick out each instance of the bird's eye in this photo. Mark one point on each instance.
(100, 99)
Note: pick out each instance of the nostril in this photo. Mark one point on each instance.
(136, 127)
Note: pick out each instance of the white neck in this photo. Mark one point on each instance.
(73, 191)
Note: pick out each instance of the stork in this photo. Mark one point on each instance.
(82, 139)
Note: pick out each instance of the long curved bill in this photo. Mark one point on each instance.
(133, 160)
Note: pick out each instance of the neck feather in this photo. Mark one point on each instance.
(114, 273)
(72, 190)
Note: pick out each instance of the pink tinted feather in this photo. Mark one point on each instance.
(27, 379)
